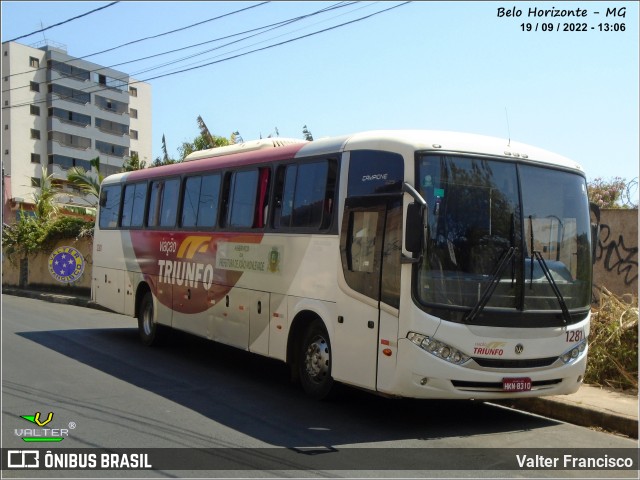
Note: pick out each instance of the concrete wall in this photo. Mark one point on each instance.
(616, 266)
(35, 272)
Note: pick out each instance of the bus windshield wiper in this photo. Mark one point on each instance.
(554, 286)
(493, 283)
(547, 273)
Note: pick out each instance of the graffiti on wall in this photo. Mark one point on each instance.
(616, 256)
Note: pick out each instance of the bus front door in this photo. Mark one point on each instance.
(370, 254)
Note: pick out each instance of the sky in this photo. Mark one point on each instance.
(458, 66)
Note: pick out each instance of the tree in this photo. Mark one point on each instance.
(205, 133)
(236, 138)
(307, 134)
(133, 163)
(612, 193)
(203, 141)
(45, 205)
(85, 182)
(165, 160)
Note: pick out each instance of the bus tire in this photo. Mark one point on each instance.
(150, 332)
(314, 361)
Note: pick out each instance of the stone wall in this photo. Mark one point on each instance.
(616, 266)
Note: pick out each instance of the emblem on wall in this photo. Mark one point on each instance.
(66, 264)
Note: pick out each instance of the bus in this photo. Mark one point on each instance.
(422, 264)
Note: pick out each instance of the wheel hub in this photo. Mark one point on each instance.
(317, 359)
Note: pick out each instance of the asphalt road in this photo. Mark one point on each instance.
(108, 391)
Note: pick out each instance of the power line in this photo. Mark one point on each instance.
(278, 25)
(232, 57)
(61, 23)
(274, 25)
(276, 44)
(176, 30)
(138, 40)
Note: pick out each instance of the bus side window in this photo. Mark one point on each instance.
(110, 206)
(153, 218)
(169, 208)
(242, 198)
(262, 203)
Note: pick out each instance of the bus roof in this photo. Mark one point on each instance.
(250, 146)
(447, 141)
(406, 142)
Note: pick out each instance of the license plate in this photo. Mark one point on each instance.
(522, 384)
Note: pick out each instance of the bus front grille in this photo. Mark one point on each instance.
(502, 363)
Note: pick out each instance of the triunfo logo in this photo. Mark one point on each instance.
(42, 434)
(489, 348)
(180, 272)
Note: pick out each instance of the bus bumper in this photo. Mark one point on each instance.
(422, 375)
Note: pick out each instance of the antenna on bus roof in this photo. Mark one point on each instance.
(508, 129)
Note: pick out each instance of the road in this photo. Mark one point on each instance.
(108, 391)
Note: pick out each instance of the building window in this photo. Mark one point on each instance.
(35, 110)
(6, 127)
(35, 182)
(6, 103)
(35, 86)
(6, 79)
(35, 158)
(35, 134)
(134, 153)
(133, 134)
(34, 62)
(133, 113)
(133, 91)
(6, 152)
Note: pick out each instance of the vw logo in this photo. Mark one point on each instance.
(519, 348)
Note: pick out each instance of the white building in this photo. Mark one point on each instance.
(59, 111)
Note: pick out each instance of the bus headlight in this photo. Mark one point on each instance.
(438, 348)
(570, 355)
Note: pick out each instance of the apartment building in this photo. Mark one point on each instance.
(58, 112)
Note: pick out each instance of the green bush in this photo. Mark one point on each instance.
(30, 236)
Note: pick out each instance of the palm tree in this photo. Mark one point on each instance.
(45, 206)
(88, 184)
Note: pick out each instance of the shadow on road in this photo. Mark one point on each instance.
(252, 394)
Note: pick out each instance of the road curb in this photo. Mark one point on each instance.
(576, 414)
(55, 298)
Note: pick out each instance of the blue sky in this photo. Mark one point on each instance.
(432, 65)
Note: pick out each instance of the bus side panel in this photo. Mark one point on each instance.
(108, 288)
(259, 322)
(278, 327)
(108, 281)
(231, 320)
(387, 349)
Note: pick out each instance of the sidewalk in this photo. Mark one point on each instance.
(591, 406)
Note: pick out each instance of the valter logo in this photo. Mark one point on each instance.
(33, 434)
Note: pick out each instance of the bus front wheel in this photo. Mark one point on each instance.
(150, 332)
(315, 361)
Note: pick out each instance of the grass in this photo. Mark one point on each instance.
(613, 343)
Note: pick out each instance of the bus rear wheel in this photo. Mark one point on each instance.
(150, 332)
(315, 361)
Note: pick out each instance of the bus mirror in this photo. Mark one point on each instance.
(414, 228)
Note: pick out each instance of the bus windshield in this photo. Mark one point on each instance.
(497, 225)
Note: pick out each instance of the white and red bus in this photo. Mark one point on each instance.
(420, 264)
